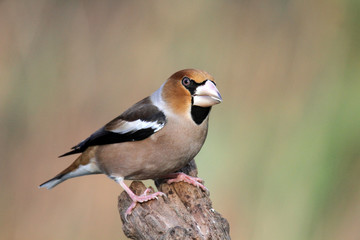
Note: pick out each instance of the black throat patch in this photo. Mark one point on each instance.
(199, 114)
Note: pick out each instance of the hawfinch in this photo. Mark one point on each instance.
(151, 140)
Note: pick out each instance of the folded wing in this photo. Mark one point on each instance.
(137, 123)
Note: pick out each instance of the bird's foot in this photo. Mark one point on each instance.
(142, 198)
(182, 177)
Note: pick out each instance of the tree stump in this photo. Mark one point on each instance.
(186, 213)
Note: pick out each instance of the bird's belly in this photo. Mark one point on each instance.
(151, 158)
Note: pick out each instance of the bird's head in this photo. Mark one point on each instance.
(190, 87)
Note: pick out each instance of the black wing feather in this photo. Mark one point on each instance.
(139, 111)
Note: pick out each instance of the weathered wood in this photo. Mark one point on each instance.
(186, 213)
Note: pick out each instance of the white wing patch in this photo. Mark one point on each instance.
(134, 126)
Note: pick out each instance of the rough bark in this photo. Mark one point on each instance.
(186, 213)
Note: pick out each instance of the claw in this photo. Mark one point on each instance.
(144, 197)
(182, 177)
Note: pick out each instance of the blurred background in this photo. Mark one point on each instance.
(282, 158)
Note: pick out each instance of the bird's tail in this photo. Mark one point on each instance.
(81, 166)
(52, 182)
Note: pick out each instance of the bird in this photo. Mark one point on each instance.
(153, 139)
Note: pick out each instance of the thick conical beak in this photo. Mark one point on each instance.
(206, 95)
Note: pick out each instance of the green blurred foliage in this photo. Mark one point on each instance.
(282, 155)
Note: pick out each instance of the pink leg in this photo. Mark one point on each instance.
(182, 177)
(142, 198)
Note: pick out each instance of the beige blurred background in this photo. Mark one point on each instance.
(282, 155)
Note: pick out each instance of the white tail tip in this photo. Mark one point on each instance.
(51, 183)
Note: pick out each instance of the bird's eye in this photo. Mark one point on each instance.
(186, 81)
